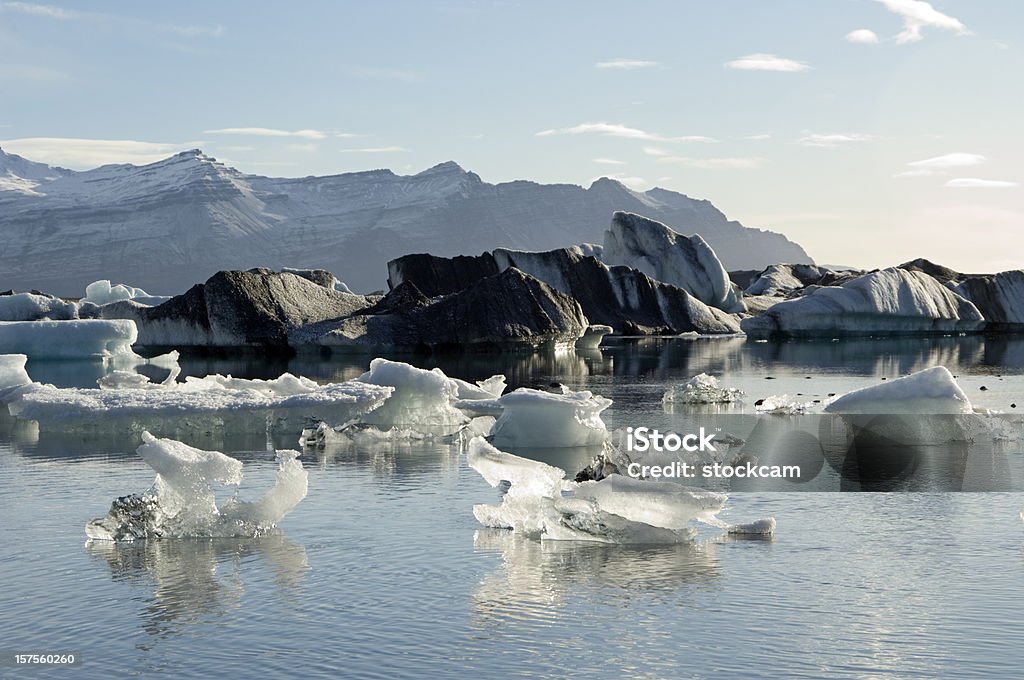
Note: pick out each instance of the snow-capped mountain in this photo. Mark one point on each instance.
(173, 223)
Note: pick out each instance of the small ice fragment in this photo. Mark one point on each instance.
(701, 389)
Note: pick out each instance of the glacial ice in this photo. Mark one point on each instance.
(12, 373)
(701, 389)
(534, 418)
(540, 502)
(668, 256)
(932, 391)
(198, 404)
(68, 339)
(891, 301)
(32, 307)
(420, 400)
(102, 292)
(182, 501)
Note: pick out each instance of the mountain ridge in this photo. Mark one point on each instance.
(166, 225)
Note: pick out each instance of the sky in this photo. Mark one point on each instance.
(869, 131)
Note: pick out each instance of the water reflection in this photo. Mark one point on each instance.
(391, 459)
(536, 578)
(196, 579)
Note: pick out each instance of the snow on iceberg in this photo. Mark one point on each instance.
(701, 389)
(535, 418)
(182, 501)
(540, 502)
(199, 404)
(69, 339)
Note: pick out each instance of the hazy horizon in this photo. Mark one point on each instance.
(870, 132)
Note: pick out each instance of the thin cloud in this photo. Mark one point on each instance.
(608, 161)
(90, 153)
(47, 11)
(829, 141)
(655, 151)
(377, 149)
(758, 138)
(975, 183)
(267, 132)
(767, 62)
(862, 36)
(940, 165)
(626, 64)
(917, 15)
(751, 163)
(617, 130)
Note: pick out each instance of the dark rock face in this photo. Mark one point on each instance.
(626, 299)
(999, 298)
(510, 309)
(238, 308)
(435, 275)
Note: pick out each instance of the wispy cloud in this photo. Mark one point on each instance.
(623, 131)
(833, 140)
(608, 161)
(47, 11)
(90, 153)
(758, 138)
(862, 36)
(767, 62)
(303, 148)
(267, 132)
(62, 14)
(377, 149)
(626, 64)
(940, 165)
(917, 15)
(975, 183)
(655, 151)
(751, 163)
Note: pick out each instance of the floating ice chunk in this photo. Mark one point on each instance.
(761, 527)
(783, 404)
(540, 502)
(592, 336)
(74, 339)
(198, 404)
(182, 502)
(421, 400)
(32, 307)
(102, 293)
(12, 372)
(701, 389)
(932, 391)
(535, 418)
(483, 389)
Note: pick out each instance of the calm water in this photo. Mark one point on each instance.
(383, 571)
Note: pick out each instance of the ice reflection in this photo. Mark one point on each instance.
(537, 578)
(196, 579)
(395, 459)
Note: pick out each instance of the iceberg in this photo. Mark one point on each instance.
(541, 503)
(534, 418)
(783, 279)
(999, 297)
(932, 391)
(701, 389)
(12, 373)
(34, 307)
(69, 339)
(182, 501)
(891, 301)
(668, 256)
(420, 400)
(215, 402)
(103, 293)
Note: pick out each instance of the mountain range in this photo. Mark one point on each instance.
(173, 223)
